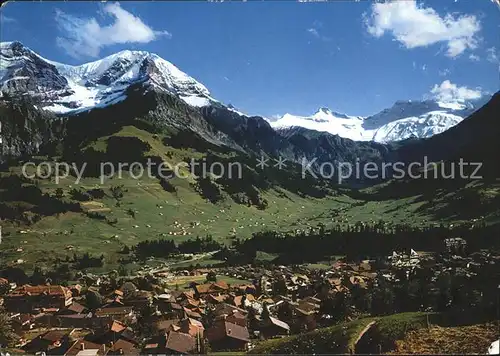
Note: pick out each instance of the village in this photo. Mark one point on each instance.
(195, 311)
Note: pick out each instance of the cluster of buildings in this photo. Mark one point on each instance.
(198, 318)
(102, 319)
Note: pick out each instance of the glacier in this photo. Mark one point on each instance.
(66, 89)
(404, 120)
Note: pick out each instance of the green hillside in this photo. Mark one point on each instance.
(47, 219)
(398, 333)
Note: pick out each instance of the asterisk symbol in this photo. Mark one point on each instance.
(262, 162)
(280, 162)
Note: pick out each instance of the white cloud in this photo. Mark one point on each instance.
(492, 55)
(444, 72)
(84, 37)
(315, 31)
(5, 19)
(449, 92)
(415, 26)
(474, 58)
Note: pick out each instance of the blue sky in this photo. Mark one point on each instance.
(270, 58)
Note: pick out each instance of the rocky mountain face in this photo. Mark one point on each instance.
(21, 70)
(25, 130)
(76, 104)
(65, 89)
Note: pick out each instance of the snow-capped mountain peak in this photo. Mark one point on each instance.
(405, 119)
(325, 113)
(67, 89)
(326, 120)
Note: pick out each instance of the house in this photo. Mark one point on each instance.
(312, 300)
(172, 343)
(357, 281)
(114, 332)
(211, 288)
(307, 307)
(22, 322)
(190, 303)
(300, 314)
(155, 345)
(138, 299)
(127, 288)
(192, 327)
(195, 314)
(117, 327)
(112, 303)
(247, 289)
(186, 295)
(180, 343)
(76, 290)
(26, 298)
(223, 335)
(55, 342)
(228, 309)
(235, 318)
(220, 286)
(74, 308)
(306, 320)
(241, 301)
(83, 347)
(119, 333)
(75, 320)
(164, 326)
(272, 327)
(174, 310)
(213, 299)
(162, 302)
(123, 314)
(202, 289)
(118, 294)
(123, 347)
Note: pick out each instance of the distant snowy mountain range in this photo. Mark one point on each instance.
(405, 119)
(65, 89)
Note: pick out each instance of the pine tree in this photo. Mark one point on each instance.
(7, 336)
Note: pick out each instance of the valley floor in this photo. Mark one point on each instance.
(148, 212)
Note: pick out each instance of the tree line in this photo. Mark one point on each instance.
(165, 248)
(361, 241)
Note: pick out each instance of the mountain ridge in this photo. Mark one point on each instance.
(66, 90)
(405, 119)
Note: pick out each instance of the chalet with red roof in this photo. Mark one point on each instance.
(26, 298)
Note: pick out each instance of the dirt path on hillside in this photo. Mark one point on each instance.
(367, 327)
